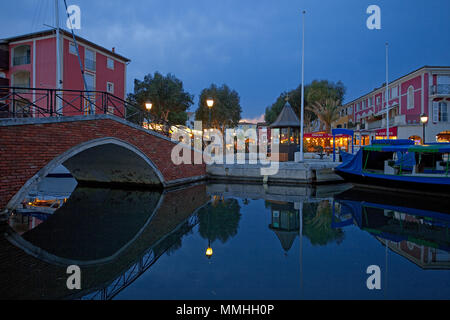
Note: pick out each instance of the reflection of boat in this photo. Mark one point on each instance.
(399, 164)
(414, 228)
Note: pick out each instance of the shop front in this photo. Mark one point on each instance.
(380, 134)
(314, 140)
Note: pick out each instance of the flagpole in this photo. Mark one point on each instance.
(303, 90)
(387, 91)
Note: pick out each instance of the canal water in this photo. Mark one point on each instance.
(225, 241)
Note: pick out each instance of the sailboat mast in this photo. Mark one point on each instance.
(58, 54)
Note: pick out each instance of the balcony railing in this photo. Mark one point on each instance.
(440, 89)
(21, 60)
(17, 102)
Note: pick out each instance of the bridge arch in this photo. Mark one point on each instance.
(106, 160)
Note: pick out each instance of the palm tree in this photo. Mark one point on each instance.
(327, 111)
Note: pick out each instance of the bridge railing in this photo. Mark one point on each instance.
(20, 102)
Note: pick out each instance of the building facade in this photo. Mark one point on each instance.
(30, 61)
(423, 91)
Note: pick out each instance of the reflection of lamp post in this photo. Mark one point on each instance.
(210, 103)
(209, 251)
(424, 121)
(148, 106)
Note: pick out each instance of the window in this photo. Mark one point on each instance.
(72, 48)
(110, 87)
(89, 105)
(440, 111)
(371, 101)
(21, 79)
(89, 60)
(394, 92)
(410, 98)
(21, 55)
(378, 100)
(110, 63)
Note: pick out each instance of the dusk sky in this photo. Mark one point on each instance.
(255, 46)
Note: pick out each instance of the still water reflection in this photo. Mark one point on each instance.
(222, 241)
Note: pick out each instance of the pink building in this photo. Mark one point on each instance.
(423, 91)
(29, 61)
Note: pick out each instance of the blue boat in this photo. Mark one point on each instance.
(400, 165)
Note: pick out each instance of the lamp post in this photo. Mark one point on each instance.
(148, 107)
(424, 121)
(210, 104)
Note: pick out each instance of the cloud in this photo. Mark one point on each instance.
(254, 120)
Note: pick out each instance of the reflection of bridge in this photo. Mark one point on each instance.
(96, 149)
(110, 258)
(109, 291)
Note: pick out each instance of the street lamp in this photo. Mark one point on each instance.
(148, 106)
(424, 121)
(210, 104)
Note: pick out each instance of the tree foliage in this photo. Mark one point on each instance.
(327, 111)
(317, 224)
(317, 91)
(166, 93)
(220, 221)
(226, 112)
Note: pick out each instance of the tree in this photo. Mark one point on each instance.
(220, 221)
(166, 93)
(327, 111)
(316, 91)
(321, 90)
(317, 224)
(226, 112)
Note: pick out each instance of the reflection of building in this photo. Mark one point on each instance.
(285, 222)
(426, 90)
(423, 256)
(413, 228)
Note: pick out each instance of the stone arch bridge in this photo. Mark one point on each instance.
(101, 149)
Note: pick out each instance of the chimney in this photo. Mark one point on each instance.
(114, 49)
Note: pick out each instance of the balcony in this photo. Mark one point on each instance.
(375, 124)
(440, 89)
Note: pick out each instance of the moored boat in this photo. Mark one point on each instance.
(400, 165)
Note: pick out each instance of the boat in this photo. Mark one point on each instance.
(400, 165)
